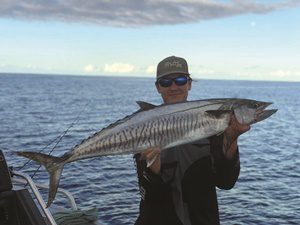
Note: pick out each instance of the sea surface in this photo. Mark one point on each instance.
(46, 112)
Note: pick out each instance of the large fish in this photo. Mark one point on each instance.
(163, 126)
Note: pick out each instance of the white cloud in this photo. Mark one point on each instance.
(31, 67)
(119, 68)
(49, 68)
(151, 69)
(135, 13)
(281, 73)
(89, 68)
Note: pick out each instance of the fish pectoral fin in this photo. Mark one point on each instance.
(218, 113)
(145, 105)
(220, 133)
(151, 161)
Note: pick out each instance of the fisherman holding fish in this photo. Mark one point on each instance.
(178, 185)
(199, 143)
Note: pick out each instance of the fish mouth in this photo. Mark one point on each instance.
(262, 113)
(264, 105)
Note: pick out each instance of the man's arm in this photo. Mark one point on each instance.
(225, 154)
(226, 170)
(231, 134)
(152, 187)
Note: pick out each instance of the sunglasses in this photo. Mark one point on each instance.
(179, 81)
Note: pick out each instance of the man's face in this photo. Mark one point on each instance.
(174, 93)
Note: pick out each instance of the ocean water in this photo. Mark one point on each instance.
(35, 110)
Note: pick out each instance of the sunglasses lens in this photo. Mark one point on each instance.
(165, 82)
(182, 80)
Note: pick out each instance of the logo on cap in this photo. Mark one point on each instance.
(175, 63)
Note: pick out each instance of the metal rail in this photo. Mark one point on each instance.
(66, 193)
(37, 194)
(26, 179)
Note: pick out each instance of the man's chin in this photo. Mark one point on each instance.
(175, 99)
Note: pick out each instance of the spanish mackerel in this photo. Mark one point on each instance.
(163, 127)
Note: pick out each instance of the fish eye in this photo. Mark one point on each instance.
(256, 105)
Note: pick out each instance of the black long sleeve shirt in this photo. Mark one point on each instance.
(185, 191)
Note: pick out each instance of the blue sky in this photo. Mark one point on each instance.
(248, 40)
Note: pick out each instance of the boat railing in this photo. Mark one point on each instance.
(23, 178)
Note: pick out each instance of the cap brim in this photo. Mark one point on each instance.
(173, 72)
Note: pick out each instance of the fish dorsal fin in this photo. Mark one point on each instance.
(218, 113)
(145, 105)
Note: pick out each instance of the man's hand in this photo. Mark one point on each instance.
(231, 134)
(152, 156)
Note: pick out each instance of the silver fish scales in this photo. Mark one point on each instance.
(162, 126)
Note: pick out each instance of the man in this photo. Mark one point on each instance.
(180, 185)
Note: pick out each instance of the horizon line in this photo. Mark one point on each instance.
(136, 76)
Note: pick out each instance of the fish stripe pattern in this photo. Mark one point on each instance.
(162, 127)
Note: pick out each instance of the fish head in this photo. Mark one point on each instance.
(251, 111)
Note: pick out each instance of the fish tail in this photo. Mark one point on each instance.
(54, 166)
